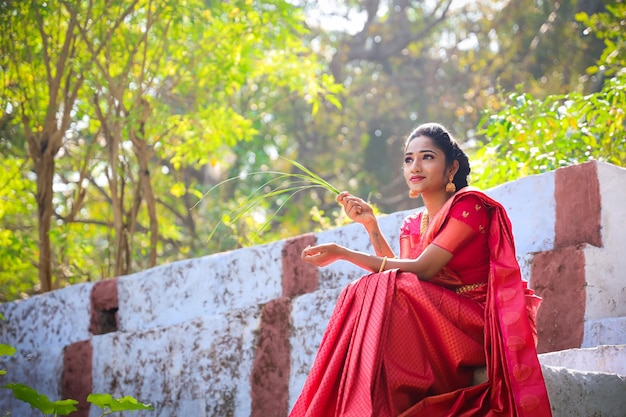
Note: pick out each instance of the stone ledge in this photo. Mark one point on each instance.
(606, 331)
(585, 394)
(605, 359)
(582, 382)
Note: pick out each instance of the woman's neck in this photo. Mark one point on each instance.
(433, 202)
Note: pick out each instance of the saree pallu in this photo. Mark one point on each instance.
(398, 346)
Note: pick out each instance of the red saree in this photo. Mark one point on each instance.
(398, 346)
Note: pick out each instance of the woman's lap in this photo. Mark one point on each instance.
(392, 340)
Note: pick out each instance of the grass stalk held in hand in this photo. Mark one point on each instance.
(288, 183)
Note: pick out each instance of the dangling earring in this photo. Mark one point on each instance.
(450, 187)
(413, 194)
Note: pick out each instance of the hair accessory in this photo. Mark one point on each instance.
(450, 187)
(382, 265)
(413, 194)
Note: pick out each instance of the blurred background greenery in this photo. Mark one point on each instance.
(119, 116)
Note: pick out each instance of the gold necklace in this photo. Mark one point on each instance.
(424, 222)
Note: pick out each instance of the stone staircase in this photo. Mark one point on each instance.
(587, 382)
(234, 334)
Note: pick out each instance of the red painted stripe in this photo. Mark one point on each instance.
(578, 206)
(559, 277)
(298, 277)
(104, 305)
(269, 379)
(76, 383)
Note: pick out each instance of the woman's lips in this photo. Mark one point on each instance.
(416, 178)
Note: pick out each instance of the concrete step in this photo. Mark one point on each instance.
(583, 382)
(589, 382)
(604, 358)
(575, 393)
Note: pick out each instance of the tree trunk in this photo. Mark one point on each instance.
(143, 154)
(43, 147)
(148, 195)
(45, 174)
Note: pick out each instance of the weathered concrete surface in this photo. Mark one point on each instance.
(309, 317)
(181, 291)
(201, 337)
(585, 394)
(606, 358)
(298, 277)
(270, 371)
(578, 217)
(77, 378)
(607, 331)
(561, 321)
(605, 266)
(201, 367)
(531, 205)
(586, 382)
(57, 318)
(40, 328)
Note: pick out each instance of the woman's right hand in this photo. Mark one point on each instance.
(323, 254)
(356, 208)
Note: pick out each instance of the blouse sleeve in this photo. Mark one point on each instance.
(410, 225)
(467, 219)
(410, 235)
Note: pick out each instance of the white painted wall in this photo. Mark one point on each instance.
(188, 329)
(174, 293)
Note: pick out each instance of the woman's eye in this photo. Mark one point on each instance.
(408, 160)
(427, 156)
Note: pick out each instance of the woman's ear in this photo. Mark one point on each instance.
(454, 168)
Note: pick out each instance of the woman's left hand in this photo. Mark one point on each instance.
(357, 209)
(322, 255)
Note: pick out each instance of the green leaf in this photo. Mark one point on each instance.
(314, 177)
(334, 100)
(107, 402)
(41, 402)
(178, 189)
(7, 350)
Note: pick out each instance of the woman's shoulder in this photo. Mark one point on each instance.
(411, 222)
(414, 215)
(469, 206)
(469, 198)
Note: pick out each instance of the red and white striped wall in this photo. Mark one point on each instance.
(234, 334)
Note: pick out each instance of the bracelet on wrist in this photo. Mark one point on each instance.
(382, 265)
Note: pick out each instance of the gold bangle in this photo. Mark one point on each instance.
(382, 265)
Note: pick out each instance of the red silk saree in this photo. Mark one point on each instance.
(398, 346)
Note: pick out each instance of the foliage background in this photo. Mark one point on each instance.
(118, 117)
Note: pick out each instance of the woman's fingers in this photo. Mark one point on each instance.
(342, 195)
(308, 251)
(355, 207)
(352, 205)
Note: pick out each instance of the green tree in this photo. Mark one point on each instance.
(533, 135)
(431, 61)
(40, 90)
(123, 108)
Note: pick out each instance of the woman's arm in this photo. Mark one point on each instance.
(429, 263)
(361, 212)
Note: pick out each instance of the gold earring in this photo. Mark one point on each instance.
(413, 194)
(450, 187)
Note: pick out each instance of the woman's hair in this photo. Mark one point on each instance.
(444, 141)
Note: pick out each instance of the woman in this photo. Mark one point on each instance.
(406, 339)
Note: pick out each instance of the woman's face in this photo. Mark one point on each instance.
(425, 167)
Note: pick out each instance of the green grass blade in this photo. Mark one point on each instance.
(268, 221)
(300, 183)
(313, 175)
